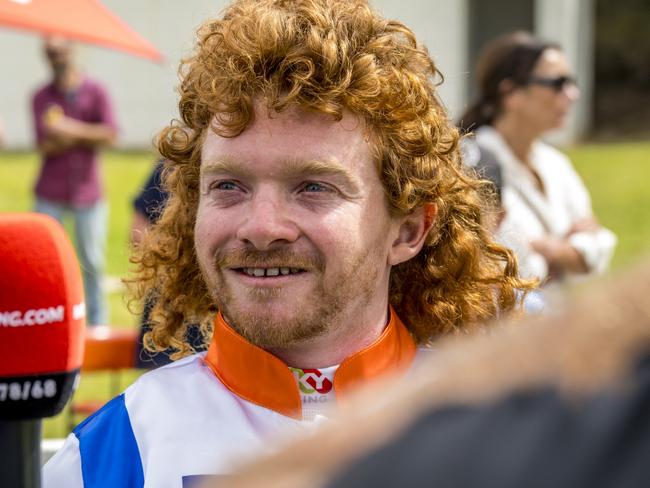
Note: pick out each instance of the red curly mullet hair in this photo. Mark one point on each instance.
(328, 56)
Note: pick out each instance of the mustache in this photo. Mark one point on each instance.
(272, 258)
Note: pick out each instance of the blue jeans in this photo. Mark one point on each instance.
(90, 228)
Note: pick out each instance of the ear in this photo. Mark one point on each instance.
(510, 93)
(412, 233)
(506, 86)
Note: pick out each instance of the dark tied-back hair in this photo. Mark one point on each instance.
(510, 57)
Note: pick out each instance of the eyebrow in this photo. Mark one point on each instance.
(290, 168)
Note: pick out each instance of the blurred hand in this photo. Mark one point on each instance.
(63, 128)
(549, 247)
(69, 131)
(59, 137)
(584, 225)
(560, 256)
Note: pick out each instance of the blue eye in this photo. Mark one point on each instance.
(314, 187)
(224, 185)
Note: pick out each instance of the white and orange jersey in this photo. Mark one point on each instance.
(204, 414)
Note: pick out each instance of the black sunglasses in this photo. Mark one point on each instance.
(556, 84)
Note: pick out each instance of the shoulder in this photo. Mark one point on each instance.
(488, 137)
(175, 372)
(493, 146)
(161, 387)
(89, 82)
(41, 92)
(479, 156)
(546, 156)
(179, 393)
(95, 87)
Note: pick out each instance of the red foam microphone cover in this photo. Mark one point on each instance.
(42, 316)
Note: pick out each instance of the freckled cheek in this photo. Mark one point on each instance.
(329, 242)
(210, 232)
(338, 235)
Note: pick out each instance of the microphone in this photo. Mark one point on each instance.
(42, 320)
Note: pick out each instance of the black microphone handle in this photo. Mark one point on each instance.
(20, 458)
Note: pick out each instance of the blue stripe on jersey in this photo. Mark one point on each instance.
(108, 450)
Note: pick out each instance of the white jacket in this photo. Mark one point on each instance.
(531, 214)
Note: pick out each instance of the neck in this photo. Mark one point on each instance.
(340, 343)
(68, 80)
(518, 135)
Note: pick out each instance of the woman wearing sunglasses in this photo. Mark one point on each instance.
(526, 89)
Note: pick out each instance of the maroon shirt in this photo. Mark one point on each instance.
(73, 176)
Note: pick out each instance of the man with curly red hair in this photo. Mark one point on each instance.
(319, 227)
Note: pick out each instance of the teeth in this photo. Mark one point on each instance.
(259, 272)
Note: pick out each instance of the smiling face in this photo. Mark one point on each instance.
(293, 233)
(543, 107)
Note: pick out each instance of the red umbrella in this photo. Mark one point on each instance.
(82, 20)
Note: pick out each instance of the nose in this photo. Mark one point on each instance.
(571, 91)
(268, 221)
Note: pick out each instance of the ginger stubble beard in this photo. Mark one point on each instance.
(326, 304)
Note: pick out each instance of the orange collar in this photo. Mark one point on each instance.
(261, 378)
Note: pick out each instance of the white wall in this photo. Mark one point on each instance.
(22, 70)
(570, 23)
(143, 92)
(441, 25)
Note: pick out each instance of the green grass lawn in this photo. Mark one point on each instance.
(616, 174)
